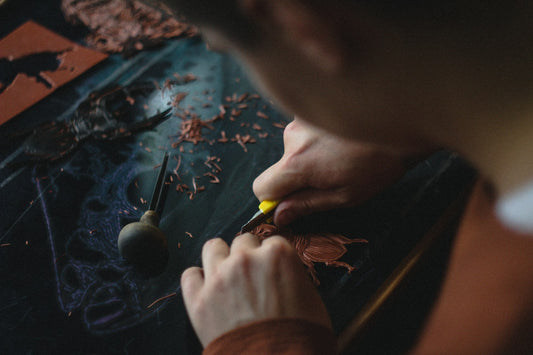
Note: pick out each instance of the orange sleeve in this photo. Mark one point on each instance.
(486, 302)
(275, 336)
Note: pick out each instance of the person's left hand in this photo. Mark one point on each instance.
(248, 282)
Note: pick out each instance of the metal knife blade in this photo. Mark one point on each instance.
(266, 211)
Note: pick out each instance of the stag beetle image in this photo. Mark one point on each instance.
(106, 114)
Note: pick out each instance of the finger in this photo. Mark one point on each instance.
(278, 181)
(278, 248)
(305, 202)
(214, 252)
(246, 241)
(192, 281)
(275, 240)
(282, 178)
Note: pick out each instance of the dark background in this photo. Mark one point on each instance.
(65, 290)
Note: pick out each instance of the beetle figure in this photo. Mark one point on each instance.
(325, 248)
(106, 114)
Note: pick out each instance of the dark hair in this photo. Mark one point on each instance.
(412, 15)
(224, 15)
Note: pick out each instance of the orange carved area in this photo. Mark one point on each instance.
(325, 248)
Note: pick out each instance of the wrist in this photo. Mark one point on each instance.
(275, 336)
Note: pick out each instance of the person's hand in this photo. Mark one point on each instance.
(320, 171)
(248, 282)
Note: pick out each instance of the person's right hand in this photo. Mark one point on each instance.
(249, 282)
(320, 171)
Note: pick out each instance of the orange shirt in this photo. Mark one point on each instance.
(275, 336)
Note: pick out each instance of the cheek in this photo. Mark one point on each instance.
(298, 93)
(285, 94)
(277, 81)
(266, 83)
(215, 40)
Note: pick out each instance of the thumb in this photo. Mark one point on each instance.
(192, 281)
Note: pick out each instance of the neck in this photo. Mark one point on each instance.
(484, 112)
(498, 143)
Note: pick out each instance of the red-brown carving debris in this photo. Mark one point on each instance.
(179, 80)
(214, 178)
(178, 98)
(223, 138)
(161, 299)
(243, 140)
(211, 162)
(262, 115)
(191, 130)
(181, 187)
(242, 97)
(325, 248)
(125, 26)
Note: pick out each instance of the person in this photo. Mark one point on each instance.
(374, 84)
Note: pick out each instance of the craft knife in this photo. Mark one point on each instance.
(265, 213)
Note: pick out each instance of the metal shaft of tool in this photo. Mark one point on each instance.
(156, 196)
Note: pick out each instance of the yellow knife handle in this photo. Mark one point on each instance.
(268, 206)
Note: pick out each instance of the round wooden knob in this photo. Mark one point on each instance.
(144, 245)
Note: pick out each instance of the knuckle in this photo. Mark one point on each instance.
(293, 169)
(287, 161)
(186, 278)
(240, 260)
(242, 237)
(278, 247)
(212, 243)
(308, 205)
(290, 128)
